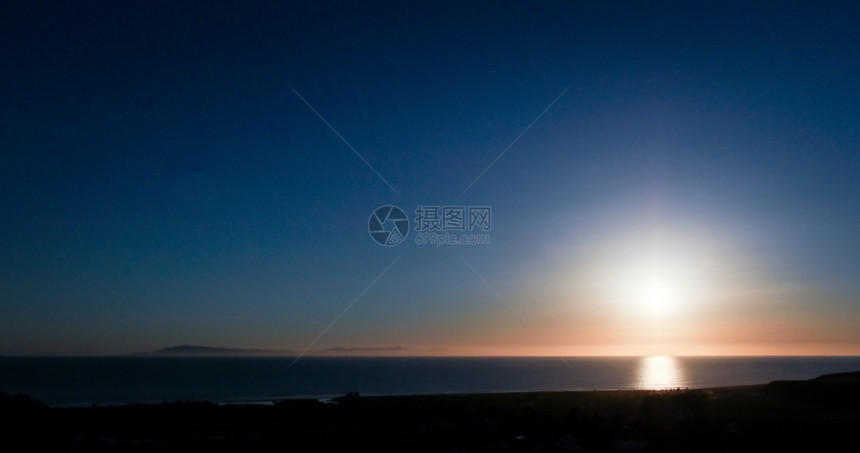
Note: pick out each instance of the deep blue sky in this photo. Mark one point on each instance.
(162, 183)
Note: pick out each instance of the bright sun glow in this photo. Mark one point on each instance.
(655, 280)
(653, 286)
(657, 288)
(655, 277)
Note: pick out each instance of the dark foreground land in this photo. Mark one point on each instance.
(822, 414)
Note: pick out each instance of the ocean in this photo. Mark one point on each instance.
(76, 381)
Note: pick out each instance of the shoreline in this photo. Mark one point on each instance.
(118, 381)
(269, 401)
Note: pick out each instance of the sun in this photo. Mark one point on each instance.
(659, 291)
(653, 285)
(655, 279)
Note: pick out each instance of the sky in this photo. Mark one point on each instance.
(677, 178)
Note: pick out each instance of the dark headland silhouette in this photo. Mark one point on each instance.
(820, 414)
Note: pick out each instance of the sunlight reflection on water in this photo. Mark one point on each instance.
(660, 372)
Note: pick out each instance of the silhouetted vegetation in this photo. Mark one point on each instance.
(816, 415)
(30, 423)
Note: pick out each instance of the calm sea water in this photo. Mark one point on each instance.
(117, 380)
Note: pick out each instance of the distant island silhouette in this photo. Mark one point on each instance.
(209, 351)
(194, 350)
